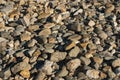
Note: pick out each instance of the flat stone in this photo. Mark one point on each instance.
(74, 52)
(45, 32)
(74, 37)
(58, 56)
(92, 74)
(73, 64)
(49, 25)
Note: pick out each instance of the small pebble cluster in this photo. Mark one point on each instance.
(59, 39)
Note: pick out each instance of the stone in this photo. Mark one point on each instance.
(78, 12)
(33, 28)
(116, 63)
(74, 52)
(27, 19)
(91, 23)
(73, 64)
(43, 15)
(75, 37)
(20, 66)
(117, 71)
(85, 60)
(63, 72)
(48, 67)
(109, 8)
(58, 56)
(49, 25)
(75, 26)
(98, 60)
(25, 37)
(92, 74)
(71, 45)
(7, 74)
(40, 76)
(51, 40)
(84, 45)
(102, 35)
(102, 75)
(32, 42)
(49, 45)
(45, 32)
(25, 73)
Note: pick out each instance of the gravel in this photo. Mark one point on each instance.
(59, 40)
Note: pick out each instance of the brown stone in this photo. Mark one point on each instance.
(25, 73)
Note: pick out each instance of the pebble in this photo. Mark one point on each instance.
(32, 42)
(63, 72)
(75, 26)
(109, 8)
(71, 45)
(25, 37)
(91, 23)
(117, 71)
(48, 67)
(20, 66)
(49, 25)
(102, 75)
(98, 60)
(73, 64)
(75, 37)
(92, 74)
(74, 52)
(40, 76)
(7, 74)
(85, 61)
(25, 73)
(116, 63)
(58, 56)
(33, 28)
(45, 32)
(102, 35)
(27, 19)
